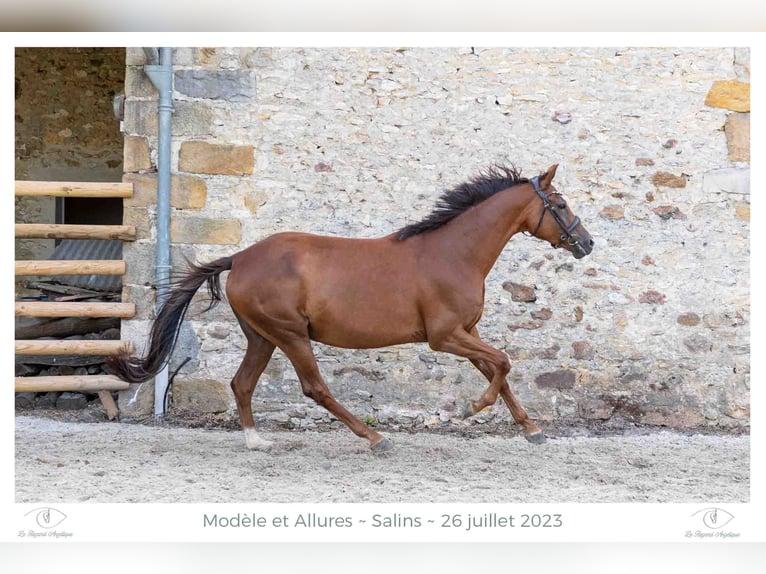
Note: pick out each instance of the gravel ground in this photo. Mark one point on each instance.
(65, 461)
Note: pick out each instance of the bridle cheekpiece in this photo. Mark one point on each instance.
(566, 234)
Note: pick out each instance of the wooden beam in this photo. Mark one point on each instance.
(73, 189)
(109, 405)
(80, 309)
(87, 383)
(71, 267)
(69, 231)
(71, 347)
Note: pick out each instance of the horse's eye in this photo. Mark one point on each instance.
(561, 206)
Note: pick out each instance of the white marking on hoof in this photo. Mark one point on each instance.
(254, 441)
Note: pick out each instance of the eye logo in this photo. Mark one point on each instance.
(714, 518)
(47, 517)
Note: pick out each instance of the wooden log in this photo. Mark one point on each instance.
(82, 383)
(109, 405)
(73, 189)
(70, 231)
(32, 328)
(70, 347)
(80, 309)
(71, 267)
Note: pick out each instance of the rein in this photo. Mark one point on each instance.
(547, 207)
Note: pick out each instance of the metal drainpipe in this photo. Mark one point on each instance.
(161, 77)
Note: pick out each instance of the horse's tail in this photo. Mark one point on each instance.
(164, 332)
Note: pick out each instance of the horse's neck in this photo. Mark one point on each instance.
(477, 237)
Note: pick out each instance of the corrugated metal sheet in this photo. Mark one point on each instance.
(89, 249)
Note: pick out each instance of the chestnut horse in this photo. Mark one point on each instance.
(423, 283)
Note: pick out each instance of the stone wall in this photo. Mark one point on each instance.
(65, 129)
(653, 147)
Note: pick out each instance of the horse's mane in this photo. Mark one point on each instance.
(461, 198)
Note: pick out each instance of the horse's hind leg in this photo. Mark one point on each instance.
(298, 350)
(532, 432)
(257, 356)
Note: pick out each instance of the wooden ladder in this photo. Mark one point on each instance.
(101, 384)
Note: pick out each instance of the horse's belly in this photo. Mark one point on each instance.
(357, 323)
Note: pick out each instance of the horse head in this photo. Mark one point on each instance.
(554, 221)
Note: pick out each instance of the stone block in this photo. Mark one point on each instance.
(631, 372)
(228, 85)
(742, 63)
(737, 129)
(142, 297)
(667, 212)
(138, 85)
(729, 94)
(191, 119)
(135, 57)
(187, 347)
(137, 401)
(561, 380)
(141, 117)
(582, 350)
(210, 57)
(71, 401)
(719, 320)
(139, 218)
(136, 155)
(255, 199)
(47, 400)
(698, 344)
(548, 353)
(543, 314)
(25, 370)
(526, 325)
(742, 211)
(665, 179)
(612, 212)
(204, 230)
(184, 56)
(200, 395)
(595, 409)
(216, 159)
(727, 180)
(652, 297)
(186, 191)
(520, 293)
(25, 400)
(139, 262)
(688, 319)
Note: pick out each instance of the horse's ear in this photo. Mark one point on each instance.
(547, 177)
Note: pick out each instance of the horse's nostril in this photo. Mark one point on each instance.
(591, 242)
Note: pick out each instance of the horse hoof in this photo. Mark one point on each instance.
(263, 445)
(254, 442)
(535, 437)
(466, 409)
(382, 446)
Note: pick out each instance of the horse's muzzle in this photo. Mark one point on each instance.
(582, 247)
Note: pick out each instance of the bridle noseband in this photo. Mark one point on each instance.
(566, 234)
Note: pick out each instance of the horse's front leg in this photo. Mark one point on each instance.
(532, 432)
(465, 344)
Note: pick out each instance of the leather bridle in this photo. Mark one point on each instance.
(567, 230)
